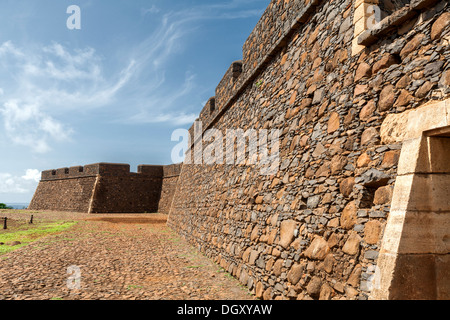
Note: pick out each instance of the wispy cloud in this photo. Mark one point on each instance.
(42, 86)
(175, 119)
(155, 53)
(152, 10)
(47, 83)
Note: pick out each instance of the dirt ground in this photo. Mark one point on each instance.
(111, 257)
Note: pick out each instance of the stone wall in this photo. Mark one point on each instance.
(314, 229)
(169, 184)
(106, 188)
(71, 195)
(120, 191)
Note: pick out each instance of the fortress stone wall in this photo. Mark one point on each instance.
(107, 188)
(341, 218)
(359, 205)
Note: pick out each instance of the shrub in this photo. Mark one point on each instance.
(4, 206)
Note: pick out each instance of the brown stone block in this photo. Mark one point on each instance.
(423, 91)
(334, 240)
(387, 98)
(318, 249)
(355, 277)
(346, 186)
(349, 216)
(352, 245)
(383, 195)
(360, 89)
(337, 164)
(404, 99)
(442, 265)
(296, 273)
(368, 110)
(412, 45)
(364, 71)
(272, 236)
(369, 136)
(259, 291)
(287, 230)
(363, 160)
(268, 294)
(328, 263)
(278, 265)
(385, 62)
(372, 231)
(324, 170)
(326, 292)
(390, 159)
(439, 25)
(403, 82)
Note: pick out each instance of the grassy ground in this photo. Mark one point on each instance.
(19, 231)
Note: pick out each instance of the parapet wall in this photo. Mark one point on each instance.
(106, 188)
(314, 229)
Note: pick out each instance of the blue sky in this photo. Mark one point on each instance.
(113, 91)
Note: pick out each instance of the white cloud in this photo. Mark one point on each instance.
(41, 86)
(45, 84)
(32, 175)
(28, 126)
(11, 184)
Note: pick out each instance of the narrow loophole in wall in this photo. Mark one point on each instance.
(212, 105)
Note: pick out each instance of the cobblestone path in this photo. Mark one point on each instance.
(112, 257)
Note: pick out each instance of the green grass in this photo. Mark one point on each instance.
(134, 287)
(195, 267)
(30, 235)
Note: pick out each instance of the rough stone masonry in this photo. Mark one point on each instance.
(359, 208)
(341, 219)
(107, 188)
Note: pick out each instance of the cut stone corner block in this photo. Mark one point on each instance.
(416, 238)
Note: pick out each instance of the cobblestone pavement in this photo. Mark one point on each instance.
(115, 257)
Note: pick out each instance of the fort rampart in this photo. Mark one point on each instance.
(107, 188)
(359, 206)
